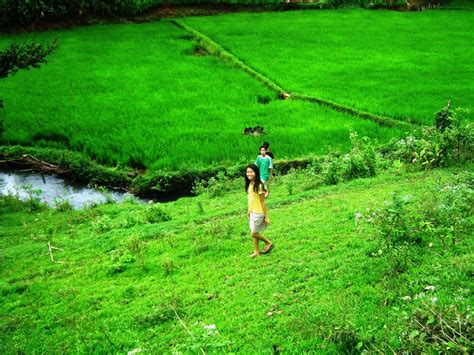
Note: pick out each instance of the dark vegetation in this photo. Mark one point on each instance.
(37, 14)
(28, 55)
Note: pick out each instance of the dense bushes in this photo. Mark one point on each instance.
(24, 11)
(450, 141)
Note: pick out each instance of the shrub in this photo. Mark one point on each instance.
(155, 214)
(215, 186)
(443, 329)
(33, 198)
(25, 12)
(62, 204)
(450, 141)
(444, 213)
(362, 161)
(447, 212)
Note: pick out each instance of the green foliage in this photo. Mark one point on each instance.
(25, 56)
(444, 118)
(156, 214)
(406, 230)
(203, 338)
(447, 213)
(24, 11)
(362, 161)
(450, 141)
(106, 193)
(214, 186)
(62, 204)
(32, 200)
(330, 298)
(72, 163)
(443, 329)
(382, 3)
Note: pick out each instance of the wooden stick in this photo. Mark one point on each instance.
(50, 251)
(446, 323)
(184, 326)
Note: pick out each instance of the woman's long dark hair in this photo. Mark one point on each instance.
(258, 182)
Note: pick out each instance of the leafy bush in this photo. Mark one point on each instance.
(25, 11)
(215, 186)
(443, 329)
(155, 214)
(62, 204)
(449, 141)
(362, 161)
(444, 213)
(447, 213)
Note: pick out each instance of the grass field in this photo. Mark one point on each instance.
(121, 279)
(398, 64)
(133, 94)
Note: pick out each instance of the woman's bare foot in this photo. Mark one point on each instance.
(254, 255)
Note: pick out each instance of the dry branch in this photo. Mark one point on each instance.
(50, 251)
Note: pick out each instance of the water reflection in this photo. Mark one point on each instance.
(54, 189)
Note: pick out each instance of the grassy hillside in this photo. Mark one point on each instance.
(398, 64)
(176, 276)
(136, 94)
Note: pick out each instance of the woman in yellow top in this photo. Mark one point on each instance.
(257, 210)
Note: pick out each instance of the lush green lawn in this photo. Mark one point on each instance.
(132, 94)
(399, 64)
(319, 289)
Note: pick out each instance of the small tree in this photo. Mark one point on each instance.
(26, 56)
(17, 57)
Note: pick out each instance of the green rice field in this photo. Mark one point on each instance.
(398, 64)
(137, 94)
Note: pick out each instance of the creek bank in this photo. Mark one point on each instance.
(159, 185)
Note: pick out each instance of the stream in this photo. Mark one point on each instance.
(53, 190)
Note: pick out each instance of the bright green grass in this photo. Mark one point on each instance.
(390, 63)
(132, 94)
(318, 279)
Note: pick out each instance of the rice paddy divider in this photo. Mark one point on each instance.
(381, 120)
(213, 48)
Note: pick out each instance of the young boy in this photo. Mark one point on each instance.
(270, 154)
(264, 163)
